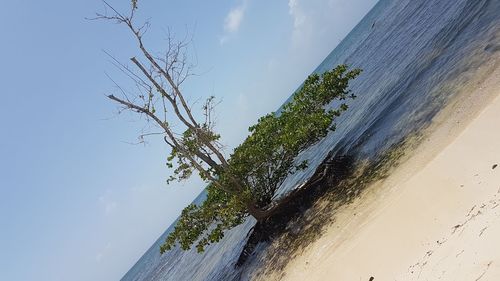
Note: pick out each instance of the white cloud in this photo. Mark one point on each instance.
(299, 17)
(234, 18)
(233, 21)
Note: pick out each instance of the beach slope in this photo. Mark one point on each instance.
(436, 217)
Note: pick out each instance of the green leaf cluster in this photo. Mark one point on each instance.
(219, 212)
(267, 156)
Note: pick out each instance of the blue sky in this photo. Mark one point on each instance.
(77, 200)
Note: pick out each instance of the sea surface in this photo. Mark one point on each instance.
(416, 55)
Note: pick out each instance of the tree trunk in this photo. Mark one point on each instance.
(273, 218)
(258, 213)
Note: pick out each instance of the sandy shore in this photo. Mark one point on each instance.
(437, 216)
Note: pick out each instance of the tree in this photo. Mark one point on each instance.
(244, 183)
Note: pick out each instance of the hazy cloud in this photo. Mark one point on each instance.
(325, 21)
(107, 203)
(299, 18)
(302, 25)
(233, 21)
(99, 256)
(234, 18)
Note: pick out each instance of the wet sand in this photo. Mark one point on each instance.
(436, 217)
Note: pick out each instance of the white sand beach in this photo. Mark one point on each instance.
(436, 217)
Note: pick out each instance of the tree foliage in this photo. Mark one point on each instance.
(244, 182)
(264, 160)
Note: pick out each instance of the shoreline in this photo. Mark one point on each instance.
(435, 215)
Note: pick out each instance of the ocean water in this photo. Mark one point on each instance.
(416, 55)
